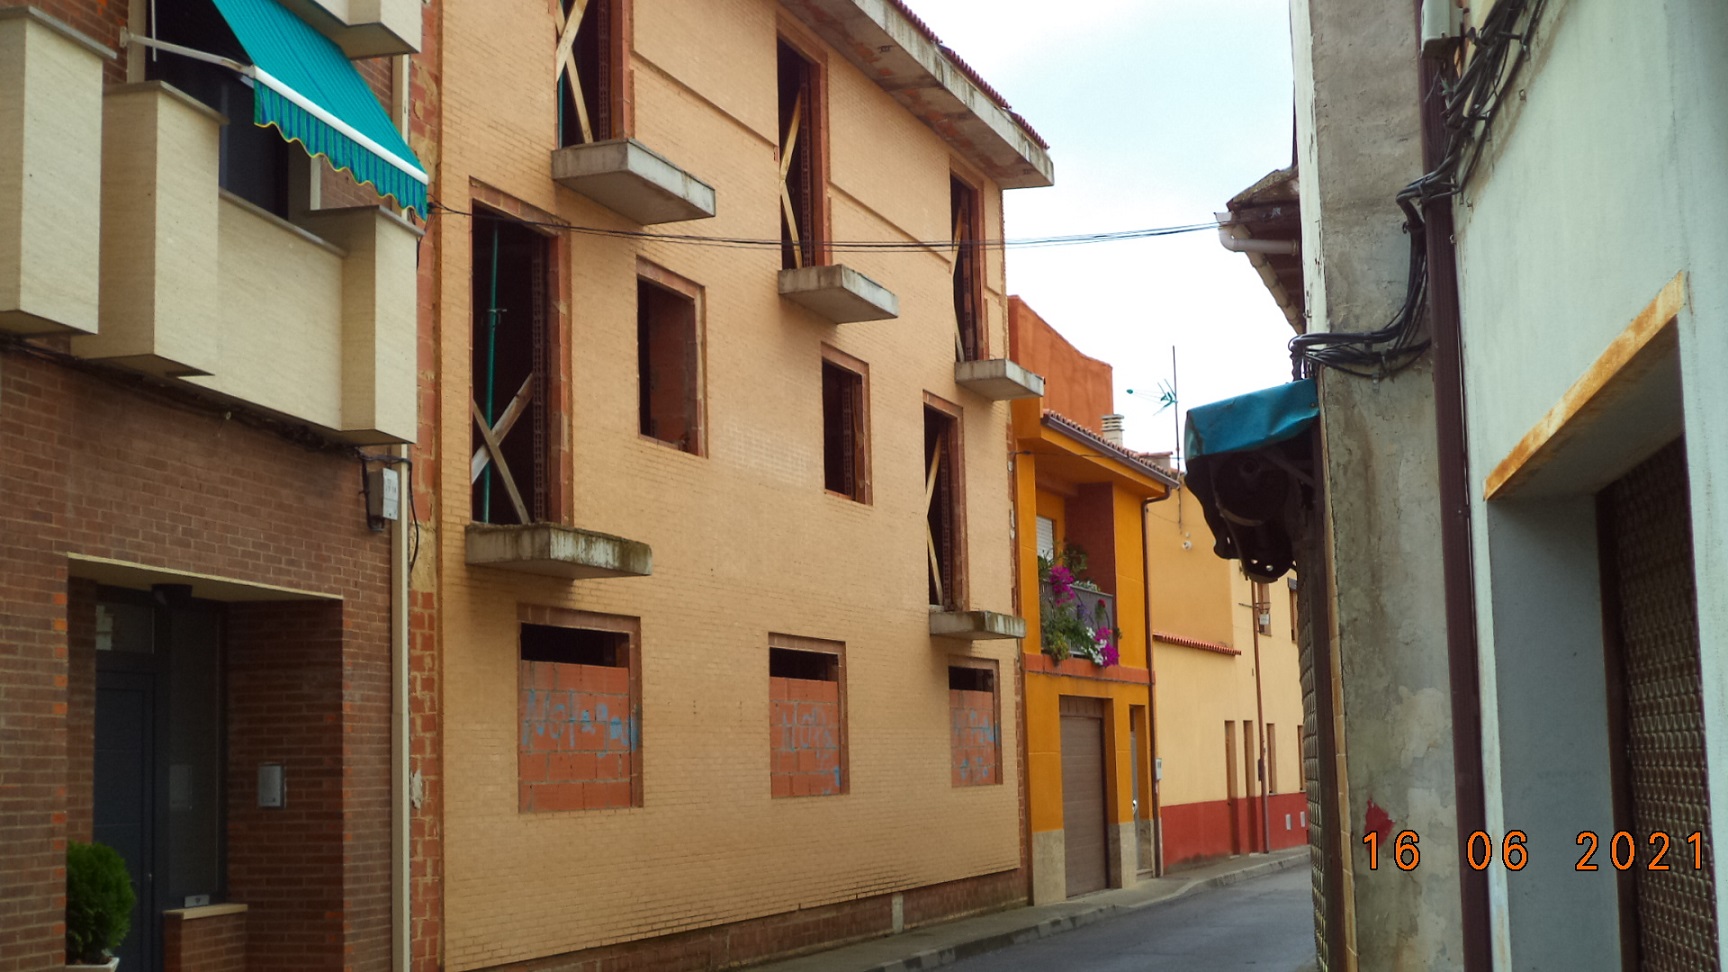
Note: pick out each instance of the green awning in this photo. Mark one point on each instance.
(1252, 421)
(313, 95)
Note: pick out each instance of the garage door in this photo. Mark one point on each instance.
(1083, 832)
(1651, 596)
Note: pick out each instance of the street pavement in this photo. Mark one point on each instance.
(1265, 924)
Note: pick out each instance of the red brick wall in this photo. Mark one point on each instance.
(213, 944)
(579, 738)
(80, 601)
(973, 739)
(97, 465)
(1092, 528)
(805, 738)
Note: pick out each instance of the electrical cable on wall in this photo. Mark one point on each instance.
(1471, 104)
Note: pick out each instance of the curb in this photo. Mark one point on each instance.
(936, 958)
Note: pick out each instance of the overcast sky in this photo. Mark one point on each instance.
(1157, 112)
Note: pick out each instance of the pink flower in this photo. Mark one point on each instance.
(1061, 584)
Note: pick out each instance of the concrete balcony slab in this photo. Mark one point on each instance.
(998, 379)
(634, 181)
(839, 294)
(976, 625)
(552, 550)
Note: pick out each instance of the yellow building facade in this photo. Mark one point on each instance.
(1081, 495)
(1229, 718)
(720, 550)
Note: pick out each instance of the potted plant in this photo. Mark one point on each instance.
(1067, 628)
(99, 903)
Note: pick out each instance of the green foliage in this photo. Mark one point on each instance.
(1065, 630)
(99, 902)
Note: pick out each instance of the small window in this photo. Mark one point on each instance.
(968, 257)
(973, 726)
(800, 175)
(1262, 608)
(588, 75)
(845, 428)
(1046, 538)
(945, 538)
(512, 469)
(580, 736)
(1271, 758)
(807, 717)
(669, 366)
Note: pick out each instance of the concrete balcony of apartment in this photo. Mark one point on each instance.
(998, 379)
(976, 625)
(633, 181)
(50, 174)
(839, 294)
(313, 321)
(365, 28)
(555, 550)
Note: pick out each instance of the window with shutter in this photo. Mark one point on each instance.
(1046, 538)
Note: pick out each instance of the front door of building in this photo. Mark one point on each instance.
(1657, 711)
(1085, 844)
(157, 787)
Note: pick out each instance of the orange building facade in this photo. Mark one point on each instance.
(1079, 501)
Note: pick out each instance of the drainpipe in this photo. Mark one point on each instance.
(1457, 569)
(1260, 729)
(1246, 244)
(400, 822)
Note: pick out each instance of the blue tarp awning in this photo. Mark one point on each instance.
(1252, 421)
(310, 92)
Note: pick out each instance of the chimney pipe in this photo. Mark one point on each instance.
(1113, 429)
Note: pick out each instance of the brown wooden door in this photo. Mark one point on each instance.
(1083, 819)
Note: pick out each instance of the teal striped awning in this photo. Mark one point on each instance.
(312, 94)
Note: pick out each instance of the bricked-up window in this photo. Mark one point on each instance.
(580, 730)
(800, 160)
(944, 538)
(965, 215)
(590, 46)
(845, 427)
(513, 349)
(669, 364)
(254, 162)
(807, 716)
(973, 720)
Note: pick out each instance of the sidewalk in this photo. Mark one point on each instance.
(933, 946)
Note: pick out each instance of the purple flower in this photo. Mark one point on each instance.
(1061, 584)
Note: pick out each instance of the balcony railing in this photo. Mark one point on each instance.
(1094, 610)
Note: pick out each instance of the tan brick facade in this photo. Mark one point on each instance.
(709, 868)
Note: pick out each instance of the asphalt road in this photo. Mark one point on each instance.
(1265, 924)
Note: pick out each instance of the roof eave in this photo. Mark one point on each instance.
(906, 60)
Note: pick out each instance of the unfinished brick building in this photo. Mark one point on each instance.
(207, 338)
(718, 598)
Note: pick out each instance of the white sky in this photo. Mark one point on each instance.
(1157, 112)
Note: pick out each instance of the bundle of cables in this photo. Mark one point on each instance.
(1501, 46)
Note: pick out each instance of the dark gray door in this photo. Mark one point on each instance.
(125, 796)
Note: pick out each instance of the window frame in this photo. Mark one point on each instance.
(957, 589)
(861, 446)
(994, 667)
(619, 99)
(655, 275)
(556, 617)
(975, 267)
(814, 134)
(820, 646)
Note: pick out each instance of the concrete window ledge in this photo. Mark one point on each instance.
(976, 625)
(634, 181)
(552, 550)
(998, 379)
(839, 294)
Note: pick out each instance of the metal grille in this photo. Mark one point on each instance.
(1654, 591)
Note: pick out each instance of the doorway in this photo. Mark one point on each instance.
(157, 791)
(1085, 844)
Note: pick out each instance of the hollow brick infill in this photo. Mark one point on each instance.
(973, 738)
(579, 740)
(805, 738)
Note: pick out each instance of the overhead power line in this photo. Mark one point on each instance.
(839, 246)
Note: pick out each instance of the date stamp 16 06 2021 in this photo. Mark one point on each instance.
(1624, 851)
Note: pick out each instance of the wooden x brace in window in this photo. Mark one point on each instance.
(788, 146)
(565, 67)
(492, 449)
(935, 468)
